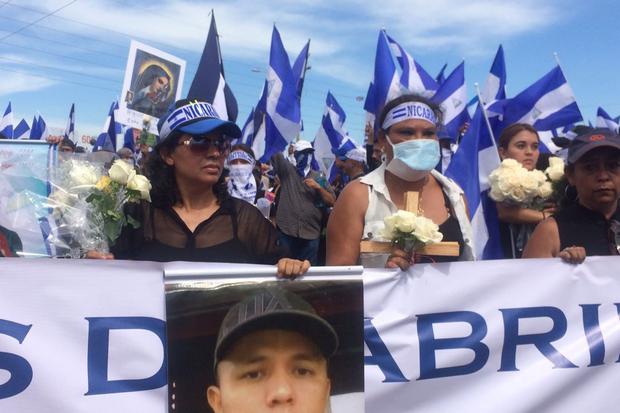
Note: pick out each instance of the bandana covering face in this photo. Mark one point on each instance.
(241, 182)
(303, 163)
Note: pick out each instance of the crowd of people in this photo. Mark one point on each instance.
(214, 201)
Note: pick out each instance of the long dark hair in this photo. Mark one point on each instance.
(165, 192)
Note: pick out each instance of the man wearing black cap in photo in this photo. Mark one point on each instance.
(590, 226)
(272, 354)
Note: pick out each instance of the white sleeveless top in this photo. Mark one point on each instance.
(380, 205)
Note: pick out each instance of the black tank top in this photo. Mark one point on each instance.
(580, 226)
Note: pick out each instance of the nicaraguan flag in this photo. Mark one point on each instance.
(441, 76)
(257, 139)
(70, 129)
(471, 165)
(495, 86)
(331, 134)
(413, 78)
(209, 83)
(299, 68)
(6, 123)
(283, 116)
(603, 120)
(247, 133)
(369, 105)
(112, 127)
(34, 129)
(452, 97)
(547, 104)
(386, 83)
(104, 143)
(22, 130)
(39, 129)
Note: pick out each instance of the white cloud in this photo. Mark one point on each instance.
(20, 82)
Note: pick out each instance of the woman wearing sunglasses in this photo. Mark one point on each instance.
(590, 226)
(192, 217)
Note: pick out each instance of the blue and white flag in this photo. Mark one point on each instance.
(34, 129)
(547, 104)
(386, 83)
(603, 120)
(452, 97)
(39, 129)
(257, 138)
(331, 134)
(495, 86)
(471, 165)
(413, 77)
(441, 76)
(22, 130)
(209, 83)
(369, 105)
(283, 116)
(70, 129)
(299, 68)
(6, 123)
(112, 127)
(104, 143)
(247, 132)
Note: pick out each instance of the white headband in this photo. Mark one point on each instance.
(409, 110)
(243, 155)
(190, 112)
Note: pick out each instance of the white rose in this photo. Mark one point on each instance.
(121, 171)
(510, 164)
(545, 190)
(556, 162)
(82, 174)
(406, 221)
(427, 231)
(140, 183)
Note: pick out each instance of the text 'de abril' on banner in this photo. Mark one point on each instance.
(82, 336)
(495, 336)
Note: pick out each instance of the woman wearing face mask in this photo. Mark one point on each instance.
(408, 133)
(242, 182)
(519, 142)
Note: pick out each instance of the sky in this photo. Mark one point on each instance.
(57, 52)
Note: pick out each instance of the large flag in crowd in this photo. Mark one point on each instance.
(6, 123)
(209, 83)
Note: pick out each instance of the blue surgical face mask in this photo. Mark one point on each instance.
(413, 159)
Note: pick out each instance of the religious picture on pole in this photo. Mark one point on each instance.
(153, 81)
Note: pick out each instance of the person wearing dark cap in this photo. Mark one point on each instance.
(271, 354)
(590, 226)
(192, 217)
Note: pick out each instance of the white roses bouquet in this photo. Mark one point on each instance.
(555, 171)
(410, 232)
(89, 204)
(512, 183)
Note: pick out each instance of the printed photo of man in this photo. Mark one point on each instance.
(272, 354)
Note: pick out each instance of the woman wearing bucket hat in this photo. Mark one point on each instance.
(192, 217)
(590, 226)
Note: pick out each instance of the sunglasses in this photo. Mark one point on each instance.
(204, 143)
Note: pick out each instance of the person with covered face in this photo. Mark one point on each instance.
(408, 134)
(242, 183)
(591, 225)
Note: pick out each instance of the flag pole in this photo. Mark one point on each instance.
(484, 113)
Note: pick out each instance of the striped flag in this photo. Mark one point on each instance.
(6, 123)
(22, 130)
(452, 97)
(603, 120)
(70, 129)
(413, 78)
(209, 83)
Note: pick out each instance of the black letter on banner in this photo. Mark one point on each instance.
(98, 343)
(594, 336)
(429, 344)
(381, 356)
(542, 341)
(17, 366)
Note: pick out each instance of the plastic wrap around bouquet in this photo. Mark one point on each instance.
(88, 203)
(410, 232)
(513, 184)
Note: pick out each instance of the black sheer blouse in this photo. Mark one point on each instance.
(237, 233)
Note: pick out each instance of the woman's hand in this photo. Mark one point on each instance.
(96, 255)
(398, 259)
(573, 255)
(290, 268)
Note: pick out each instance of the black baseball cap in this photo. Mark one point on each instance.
(274, 308)
(595, 138)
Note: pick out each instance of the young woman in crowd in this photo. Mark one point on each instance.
(520, 142)
(590, 226)
(243, 176)
(192, 216)
(412, 152)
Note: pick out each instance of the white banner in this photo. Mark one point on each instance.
(82, 336)
(494, 336)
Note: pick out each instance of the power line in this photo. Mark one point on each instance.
(38, 20)
(58, 79)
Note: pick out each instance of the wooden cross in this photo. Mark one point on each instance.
(446, 249)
